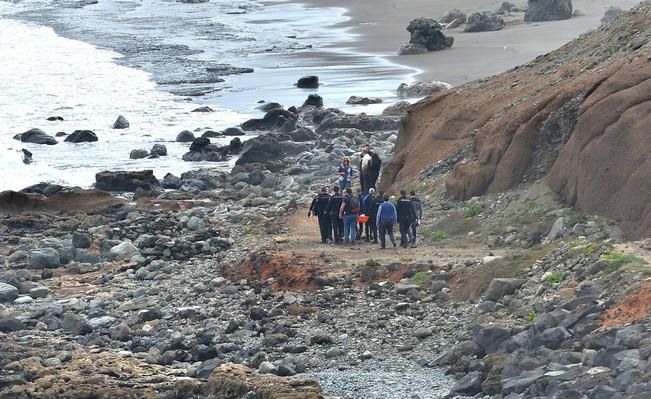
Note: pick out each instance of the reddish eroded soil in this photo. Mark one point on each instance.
(299, 261)
(635, 307)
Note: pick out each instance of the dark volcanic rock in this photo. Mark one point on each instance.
(363, 122)
(276, 119)
(10, 324)
(308, 82)
(36, 136)
(355, 100)
(185, 136)
(159, 150)
(126, 180)
(548, 10)
(81, 136)
(235, 146)
(427, 33)
(314, 100)
(54, 118)
(261, 149)
(121, 123)
(138, 154)
(234, 131)
(203, 109)
(484, 22)
(202, 150)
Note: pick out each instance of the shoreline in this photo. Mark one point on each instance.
(381, 29)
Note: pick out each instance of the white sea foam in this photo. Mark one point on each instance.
(45, 75)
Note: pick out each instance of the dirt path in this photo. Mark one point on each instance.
(303, 238)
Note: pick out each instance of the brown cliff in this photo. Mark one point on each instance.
(577, 116)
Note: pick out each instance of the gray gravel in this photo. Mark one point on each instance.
(414, 384)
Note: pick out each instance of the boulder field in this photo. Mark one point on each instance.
(574, 117)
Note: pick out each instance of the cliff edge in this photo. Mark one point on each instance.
(577, 117)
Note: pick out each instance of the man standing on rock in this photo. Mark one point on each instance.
(385, 219)
(405, 218)
(333, 211)
(320, 210)
(418, 214)
(349, 211)
(364, 169)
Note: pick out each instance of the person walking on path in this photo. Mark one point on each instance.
(418, 214)
(371, 205)
(364, 169)
(386, 219)
(345, 173)
(333, 211)
(320, 210)
(349, 211)
(405, 218)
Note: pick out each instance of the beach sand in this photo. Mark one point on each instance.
(381, 29)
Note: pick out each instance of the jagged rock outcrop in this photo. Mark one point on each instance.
(548, 10)
(574, 115)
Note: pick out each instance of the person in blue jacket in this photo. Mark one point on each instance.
(387, 216)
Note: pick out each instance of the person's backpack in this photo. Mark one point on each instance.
(354, 204)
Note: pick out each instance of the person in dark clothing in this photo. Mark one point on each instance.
(405, 217)
(333, 211)
(312, 210)
(418, 214)
(349, 212)
(386, 219)
(371, 205)
(320, 210)
(362, 211)
(374, 169)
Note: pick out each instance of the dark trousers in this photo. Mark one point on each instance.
(337, 228)
(363, 181)
(325, 228)
(413, 228)
(404, 233)
(371, 229)
(360, 230)
(384, 229)
(372, 179)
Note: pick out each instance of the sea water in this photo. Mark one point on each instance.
(89, 64)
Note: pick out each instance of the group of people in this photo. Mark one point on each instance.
(345, 218)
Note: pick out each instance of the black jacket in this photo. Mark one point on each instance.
(405, 210)
(334, 204)
(321, 206)
(418, 207)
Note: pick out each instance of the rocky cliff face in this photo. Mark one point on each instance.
(574, 116)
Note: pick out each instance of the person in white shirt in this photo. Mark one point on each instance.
(364, 164)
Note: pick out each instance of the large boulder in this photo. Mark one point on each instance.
(121, 123)
(36, 136)
(421, 89)
(81, 136)
(8, 292)
(123, 251)
(138, 154)
(235, 146)
(308, 82)
(314, 100)
(611, 13)
(44, 257)
(484, 22)
(499, 287)
(261, 149)
(126, 180)
(363, 122)
(185, 136)
(202, 150)
(427, 33)
(398, 109)
(276, 119)
(158, 150)
(548, 10)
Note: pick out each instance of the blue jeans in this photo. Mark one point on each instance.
(384, 229)
(350, 227)
(344, 184)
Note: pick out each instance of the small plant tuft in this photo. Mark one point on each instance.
(554, 278)
(472, 211)
(439, 235)
(531, 316)
(421, 278)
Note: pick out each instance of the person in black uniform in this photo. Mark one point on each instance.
(405, 218)
(372, 203)
(320, 208)
(374, 169)
(333, 210)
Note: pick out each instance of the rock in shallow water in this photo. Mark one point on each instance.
(121, 123)
(81, 136)
(36, 136)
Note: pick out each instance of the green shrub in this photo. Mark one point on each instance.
(554, 278)
(439, 235)
(531, 316)
(577, 217)
(617, 259)
(472, 211)
(421, 278)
